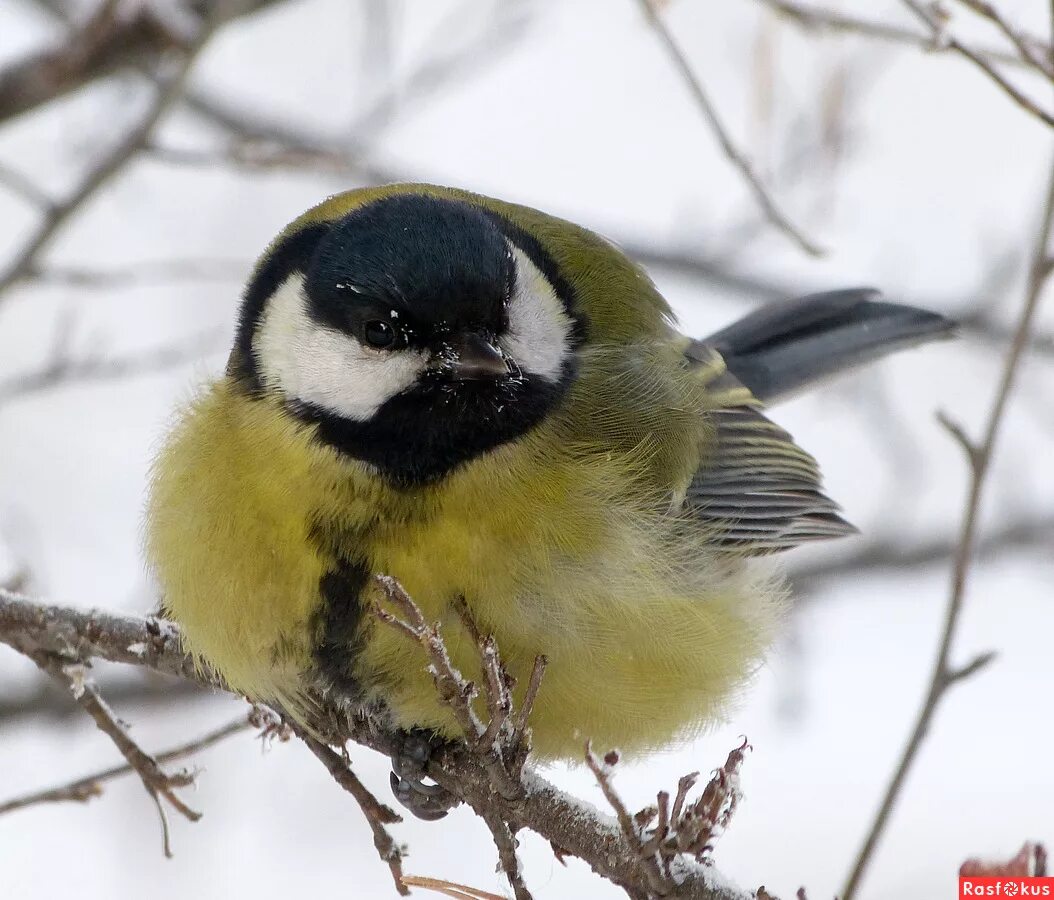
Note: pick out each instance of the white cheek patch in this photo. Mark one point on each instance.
(322, 366)
(539, 333)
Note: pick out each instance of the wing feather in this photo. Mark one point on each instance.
(758, 492)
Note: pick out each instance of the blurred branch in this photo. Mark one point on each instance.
(105, 168)
(979, 456)
(979, 324)
(1031, 50)
(819, 19)
(736, 156)
(938, 27)
(62, 369)
(73, 636)
(450, 888)
(117, 35)
(46, 701)
(264, 143)
(900, 556)
(84, 789)
(16, 182)
(168, 271)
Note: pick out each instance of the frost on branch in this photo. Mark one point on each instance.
(667, 838)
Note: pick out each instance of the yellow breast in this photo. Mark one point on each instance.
(647, 633)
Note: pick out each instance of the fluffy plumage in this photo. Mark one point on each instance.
(598, 503)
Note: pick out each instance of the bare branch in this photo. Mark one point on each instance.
(25, 188)
(734, 154)
(900, 555)
(103, 170)
(819, 19)
(657, 880)
(940, 36)
(505, 842)
(1032, 51)
(458, 693)
(981, 661)
(980, 324)
(577, 829)
(84, 789)
(450, 888)
(980, 458)
(376, 813)
(62, 370)
(142, 272)
(113, 38)
(159, 785)
(520, 737)
(46, 700)
(260, 142)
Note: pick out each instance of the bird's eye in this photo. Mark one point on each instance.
(379, 334)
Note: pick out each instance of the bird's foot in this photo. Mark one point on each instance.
(425, 799)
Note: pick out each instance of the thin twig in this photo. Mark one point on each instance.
(376, 813)
(84, 789)
(980, 455)
(46, 700)
(819, 19)
(505, 841)
(450, 888)
(657, 880)
(1031, 51)
(734, 154)
(62, 370)
(158, 784)
(261, 142)
(902, 555)
(142, 272)
(116, 36)
(453, 689)
(941, 37)
(520, 738)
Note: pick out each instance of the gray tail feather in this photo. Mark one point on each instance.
(788, 345)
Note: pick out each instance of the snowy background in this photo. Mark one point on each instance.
(913, 171)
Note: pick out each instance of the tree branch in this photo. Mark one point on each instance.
(108, 166)
(84, 789)
(77, 636)
(111, 39)
(702, 99)
(159, 785)
(941, 37)
(1031, 51)
(819, 19)
(979, 455)
(376, 813)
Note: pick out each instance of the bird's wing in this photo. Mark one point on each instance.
(758, 491)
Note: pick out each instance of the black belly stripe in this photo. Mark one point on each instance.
(339, 628)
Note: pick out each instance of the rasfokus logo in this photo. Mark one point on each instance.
(1021, 877)
(1021, 887)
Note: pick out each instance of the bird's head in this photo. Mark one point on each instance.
(416, 332)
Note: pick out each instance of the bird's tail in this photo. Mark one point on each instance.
(787, 346)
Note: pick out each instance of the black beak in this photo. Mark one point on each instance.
(470, 357)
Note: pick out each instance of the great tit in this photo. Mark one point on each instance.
(495, 407)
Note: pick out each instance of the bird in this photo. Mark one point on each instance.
(495, 407)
